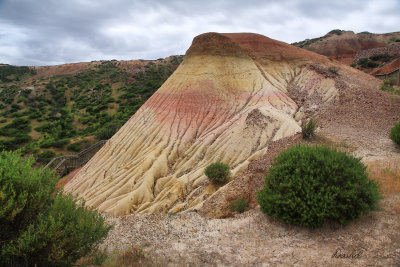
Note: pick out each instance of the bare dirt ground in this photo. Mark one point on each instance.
(253, 239)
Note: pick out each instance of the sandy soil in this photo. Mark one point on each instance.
(253, 239)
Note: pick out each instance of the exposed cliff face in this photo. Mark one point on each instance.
(231, 96)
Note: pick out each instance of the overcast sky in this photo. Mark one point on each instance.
(48, 32)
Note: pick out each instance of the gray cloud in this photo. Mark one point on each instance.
(54, 32)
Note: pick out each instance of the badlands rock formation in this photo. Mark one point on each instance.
(229, 99)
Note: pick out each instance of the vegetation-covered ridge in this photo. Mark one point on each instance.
(58, 113)
(363, 35)
(307, 42)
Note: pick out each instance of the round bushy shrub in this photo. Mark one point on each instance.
(218, 172)
(40, 225)
(395, 133)
(308, 185)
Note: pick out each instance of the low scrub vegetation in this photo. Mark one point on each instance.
(379, 57)
(336, 31)
(45, 156)
(308, 128)
(309, 185)
(130, 257)
(386, 174)
(389, 81)
(334, 70)
(10, 73)
(308, 42)
(134, 256)
(372, 62)
(54, 112)
(395, 133)
(239, 205)
(388, 86)
(40, 225)
(218, 172)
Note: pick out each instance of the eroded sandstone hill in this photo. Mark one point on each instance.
(229, 99)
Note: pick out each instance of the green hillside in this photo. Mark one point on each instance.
(63, 114)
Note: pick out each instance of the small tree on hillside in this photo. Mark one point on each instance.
(40, 225)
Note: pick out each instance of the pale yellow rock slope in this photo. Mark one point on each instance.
(232, 95)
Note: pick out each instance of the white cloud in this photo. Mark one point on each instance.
(55, 32)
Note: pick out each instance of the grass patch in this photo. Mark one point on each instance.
(390, 89)
(386, 174)
(239, 205)
(131, 257)
(308, 129)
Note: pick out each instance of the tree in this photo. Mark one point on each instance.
(40, 225)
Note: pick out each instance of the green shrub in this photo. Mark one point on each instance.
(46, 142)
(45, 156)
(308, 128)
(333, 70)
(21, 138)
(218, 172)
(390, 89)
(239, 205)
(395, 133)
(389, 81)
(104, 133)
(362, 61)
(60, 143)
(353, 64)
(378, 56)
(108, 130)
(75, 147)
(308, 185)
(16, 126)
(371, 64)
(40, 226)
(24, 192)
(335, 31)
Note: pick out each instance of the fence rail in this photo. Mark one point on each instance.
(64, 164)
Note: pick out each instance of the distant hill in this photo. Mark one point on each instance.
(344, 46)
(63, 109)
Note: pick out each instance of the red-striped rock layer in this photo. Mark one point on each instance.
(226, 102)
